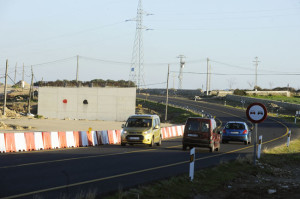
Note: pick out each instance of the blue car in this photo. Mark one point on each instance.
(236, 131)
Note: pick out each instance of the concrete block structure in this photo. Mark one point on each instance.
(110, 104)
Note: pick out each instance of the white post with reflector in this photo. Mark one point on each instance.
(259, 146)
(192, 163)
(297, 115)
(289, 138)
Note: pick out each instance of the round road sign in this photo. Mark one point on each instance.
(256, 112)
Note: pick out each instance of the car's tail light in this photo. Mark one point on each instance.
(245, 132)
(224, 131)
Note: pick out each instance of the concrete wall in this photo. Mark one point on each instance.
(287, 106)
(221, 93)
(266, 93)
(111, 104)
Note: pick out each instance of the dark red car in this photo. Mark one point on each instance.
(201, 132)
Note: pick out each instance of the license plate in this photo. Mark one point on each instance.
(134, 138)
(234, 132)
(192, 135)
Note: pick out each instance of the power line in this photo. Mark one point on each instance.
(245, 74)
(53, 62)
(231, 65)
(246, 68)
(154, 84)
(228, 28)
(102, 60)
(236, 12)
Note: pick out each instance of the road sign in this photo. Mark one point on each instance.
(256, 112)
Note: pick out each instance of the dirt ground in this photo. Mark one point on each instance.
(31, 124)
(281, 183)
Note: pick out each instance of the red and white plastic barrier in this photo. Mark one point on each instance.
(54, 140)
(29, 141)
(38, 140)
(2, 143)
(173, 131)
(103, 137)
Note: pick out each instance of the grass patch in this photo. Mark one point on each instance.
(283, 155)
(39, 117)
(179, 187)
(294, 100)
(175, 115)
(290, 119)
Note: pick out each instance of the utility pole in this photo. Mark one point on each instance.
(256, 65)
(15, 73)
(23, 83)
(5, 86)
(167, 101)
(30, 91)
(208, 73)
(77, 69)
(180, 76)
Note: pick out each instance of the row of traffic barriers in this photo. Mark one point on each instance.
(32, 141)
(172, 131)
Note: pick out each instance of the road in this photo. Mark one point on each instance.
(107, 169)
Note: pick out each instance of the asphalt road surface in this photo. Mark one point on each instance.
(107, 169)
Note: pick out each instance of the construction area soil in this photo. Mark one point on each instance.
(16, 122)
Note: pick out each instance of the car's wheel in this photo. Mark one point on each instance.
(152, 142)
(123, 144)
(159, 142)
(212, 149)
(246, 142)
(223, 141)
(184, 147)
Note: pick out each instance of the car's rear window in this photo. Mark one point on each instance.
(235, 126)
(138, 122)
(195, 125)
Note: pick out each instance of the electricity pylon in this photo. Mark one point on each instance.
(256, 65)
(137, 61)
(180, 76)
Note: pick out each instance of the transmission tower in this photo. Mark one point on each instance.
(208, 77)
(180, 76)
(256, 65)
(137, 61)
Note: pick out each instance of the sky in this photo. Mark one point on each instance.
(48, 35)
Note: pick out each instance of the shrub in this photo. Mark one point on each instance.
(239, 92)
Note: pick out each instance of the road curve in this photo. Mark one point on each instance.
(106, 169)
